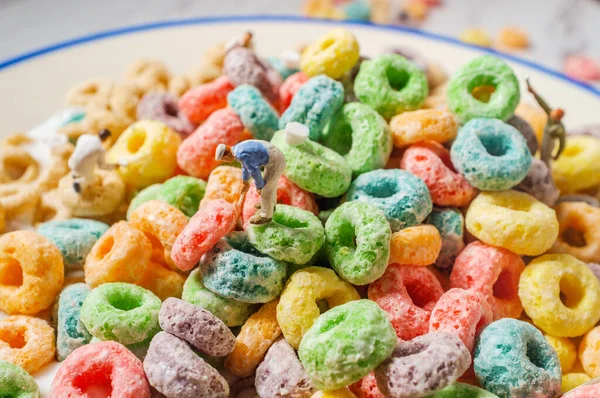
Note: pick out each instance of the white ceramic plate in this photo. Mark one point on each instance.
(34, 84)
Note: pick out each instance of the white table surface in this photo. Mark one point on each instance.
(557, 27)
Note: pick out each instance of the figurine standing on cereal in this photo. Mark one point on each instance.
(554, 128)
(89, 153)
(254, 155)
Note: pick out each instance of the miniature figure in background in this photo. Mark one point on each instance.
(89, 153)
(554, 128)
(244, 40)
(254, 155)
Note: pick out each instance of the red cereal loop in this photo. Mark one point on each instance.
(196, 154)
(106, 368)
(199, 102)
(288, 193)
(213, 221)
(430, 161)
(462, 313)
(367, 387)
(289, 88)
(407, 293)
(494, 273)
(582, 67)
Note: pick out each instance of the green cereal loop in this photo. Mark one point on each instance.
(231, 312)
(122, 312)
(462, 390)
(391, 84)
(183, 192)
(16, 383)
(294, 235)
(486, 70)
(357, 242)
(361, 135)
(346, 343)
(314, 167)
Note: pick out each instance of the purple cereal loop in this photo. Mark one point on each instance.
(591, 130)
(164, 108)
(242, 66)
(526, 130)
(422, 366)
(282, 375)
(595, 268)
(539, 183)
(197, 326)
(178, 372)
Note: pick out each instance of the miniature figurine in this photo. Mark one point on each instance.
(254, 155)
(554, 128)
(89, 153)
(244, 40)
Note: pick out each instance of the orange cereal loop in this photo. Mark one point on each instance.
(161, 281)
(418, 245)
(96, 91)
(423, 125)
(579, 231)
(205, 73)
(150, 75)
(256, 336)
(415, 9)
(27, 342)
(2, 219)
(535, 116)
(31, 272)
(124, 99)
(162, 224)
(51, 208)
(224, 182)
(513, 37)
(120, 255)
(97, 199)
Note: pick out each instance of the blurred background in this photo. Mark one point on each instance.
(561, 34)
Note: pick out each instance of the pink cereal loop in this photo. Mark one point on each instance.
(407, 294)
(494, 273)
(289, 88)
(199, 102)
(196, 154)
(214, 220)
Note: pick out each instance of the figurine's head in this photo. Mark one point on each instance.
(224, 153)
(104, 134)
(557, 114)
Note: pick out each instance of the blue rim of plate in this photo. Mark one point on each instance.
(12, 61)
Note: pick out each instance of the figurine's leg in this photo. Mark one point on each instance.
(268, 199)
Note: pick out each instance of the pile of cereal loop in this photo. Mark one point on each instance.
(318, 224)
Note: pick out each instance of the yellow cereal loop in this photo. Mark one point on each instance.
(2, 219)
(224, 182)
(578, 167)
(162, 281)
(573, 380)
(589, 352)
(333, 54)
(423, 125)
(476, 36)
(341, 393)
(565, 350)
(513, 220)
(579, 231)
(418, 245)
(101, 198)
(147, 153)
(256, 336)
(561, 295)
(297, 309)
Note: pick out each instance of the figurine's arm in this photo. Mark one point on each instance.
(539, 99)
(258, 178)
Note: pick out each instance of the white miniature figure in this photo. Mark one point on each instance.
(89, 153)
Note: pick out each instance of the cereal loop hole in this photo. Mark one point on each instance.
(398, 78)
(495, 145)
(136, 140)
(573, 237)
(106, 246)
(483, 93)
(503, 287)
(534, 355)
(288, 220)
(14, 337)
(11, 273)
(124, 301)
(571, 291)
(94, 384)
